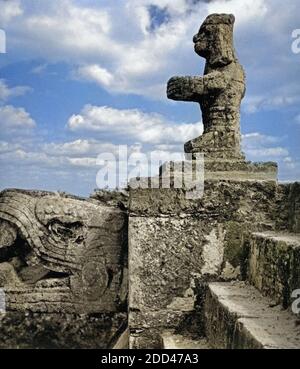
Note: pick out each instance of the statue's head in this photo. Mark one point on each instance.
(214, 41)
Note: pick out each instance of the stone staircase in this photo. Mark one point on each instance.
(274, 265)
(255, 313)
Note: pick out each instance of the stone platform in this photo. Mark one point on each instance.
(234, 170)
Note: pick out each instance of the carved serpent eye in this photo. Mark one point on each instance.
(67, 231)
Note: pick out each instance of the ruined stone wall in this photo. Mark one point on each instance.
(175, 245)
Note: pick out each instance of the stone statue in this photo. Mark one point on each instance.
(61, 253)
(219, 92)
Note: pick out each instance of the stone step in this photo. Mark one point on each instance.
(171, 340)
(237, 316)
(274, 265)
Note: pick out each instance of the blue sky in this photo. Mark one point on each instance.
(81, 77)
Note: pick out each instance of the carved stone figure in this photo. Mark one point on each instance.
(61, 253)
(219, 92)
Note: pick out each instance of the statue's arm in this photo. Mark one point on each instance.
(185, 88)
(193, 88)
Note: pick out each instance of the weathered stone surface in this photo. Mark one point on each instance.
(274, 265)
(164, 255)
(61, 256)
(118, 199)
(145, 339)
(217, 170)
(62, 253)
(167, 256)
(219, 92)
(185, 319)
(177, 341)
(27, 330)
(223, 200)
(288, 207)
(176, 245)
(238, 317)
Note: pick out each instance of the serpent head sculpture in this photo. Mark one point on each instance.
(61, 253)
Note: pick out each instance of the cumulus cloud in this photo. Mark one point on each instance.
(116, 45)
(6, 147)
(13, 119)
(254, 104)
(9, 10)
(263, 147)
(75, 163)
(9, 92)
(270, 153)
(244, 10)
(132, 124)
(69, 31)
(134, 47)
(95, 73)
(253, 139)
(260, 147)
(80, 147)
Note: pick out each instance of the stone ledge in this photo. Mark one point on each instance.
(238, 317)
(274, 264)
(221, 200)
(236, 170)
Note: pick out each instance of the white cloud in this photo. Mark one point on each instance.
(14, 119)
(169, 147)
(82, 155)
(244, 10)
(83, 162)
(95, 73)
(112, 45)
(132, 124)
(140, 67)
(80, 147)
(9, 10)
(39, 69)
(9, 92)
(253, 139)
(254, 104)
(68, 29)
(271, 152)
(6, 147)
(258, 146)
(36, 157)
